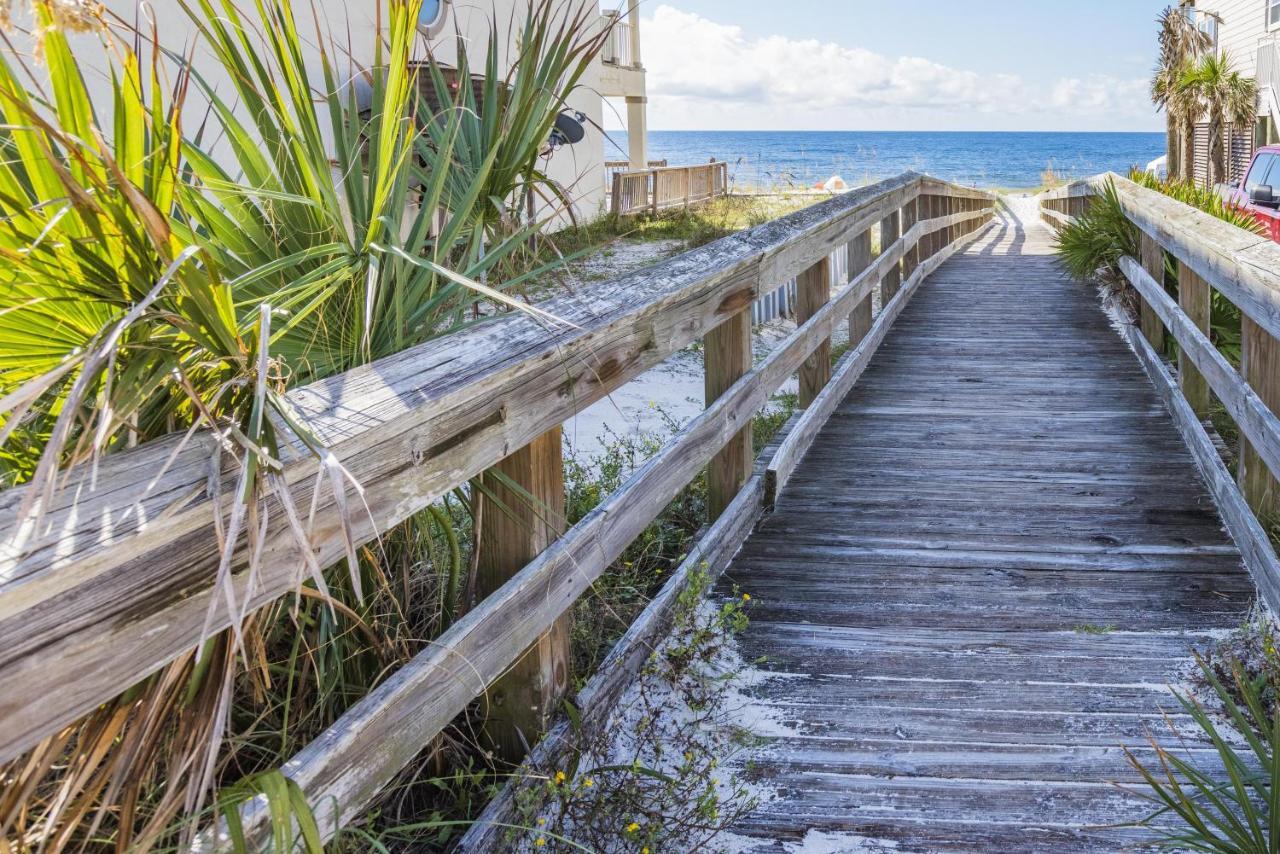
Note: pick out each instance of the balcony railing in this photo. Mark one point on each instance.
(1269, 65)
(617, 48)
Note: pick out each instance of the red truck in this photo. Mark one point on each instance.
(1259, 190)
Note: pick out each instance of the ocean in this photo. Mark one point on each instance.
(777, 159)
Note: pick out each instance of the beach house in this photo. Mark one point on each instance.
(1248, 33)
(616, 75)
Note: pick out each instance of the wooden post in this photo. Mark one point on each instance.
(616, 195)
(910, 260)
(1193, 298)
(521, 509)
(890, 231)
(813, 289)
(858, 253)
(688, 181)
(654, 176)
(1148, 320)
(1260, 367)
(727, 357)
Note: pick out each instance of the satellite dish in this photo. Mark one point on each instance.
(569, 129)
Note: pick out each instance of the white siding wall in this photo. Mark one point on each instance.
(1244, 24)
(580, 167)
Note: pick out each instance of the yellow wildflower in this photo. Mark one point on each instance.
(633, 827)
(539, 842)
(588, 782)
(559, 777)
(746, 597)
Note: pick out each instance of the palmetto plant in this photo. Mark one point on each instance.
(1233, 807)
(151, 287)
(1180, 43)
(1225, 97)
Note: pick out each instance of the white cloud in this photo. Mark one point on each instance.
(705, 74)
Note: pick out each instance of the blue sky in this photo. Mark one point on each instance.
(900, 65)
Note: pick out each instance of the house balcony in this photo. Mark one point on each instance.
(622, 73)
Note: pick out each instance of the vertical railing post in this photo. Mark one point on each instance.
(688, 181)
(1260, 367)
(890, 231)
(1148, 320)
(911, 258)
(726, 359)
(654, 177)
(520, 504)
(1193, 298)
(813, 289)
(858, 253)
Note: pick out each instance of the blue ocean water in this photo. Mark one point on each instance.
(800, 158)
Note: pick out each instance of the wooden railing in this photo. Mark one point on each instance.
(654, 190)
(116, 579)
(613, 167)
(1184, 257)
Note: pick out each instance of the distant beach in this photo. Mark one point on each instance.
(782, 159)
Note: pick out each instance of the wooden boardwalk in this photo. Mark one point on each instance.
(979, 583)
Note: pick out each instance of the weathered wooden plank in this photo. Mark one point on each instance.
(1260, 367)
(1153, 264)
(813, 290)
(521, 506)
(1249, 535)
(727, 357)
(1254, 417)
(348, 764)
(890, 231)
(116, 579)
(709, 555)
(858, 259)
(1194, 300)
(850, 369)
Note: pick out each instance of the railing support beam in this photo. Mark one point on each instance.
(1148, 321)
(1193, 298)
(520, 506)
(858, 253)
(813, 290)
(1260, 367)
(727, 358)
(890, 231)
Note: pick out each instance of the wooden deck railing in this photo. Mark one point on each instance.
(1208, 255)
(664, 188)
(117, 578)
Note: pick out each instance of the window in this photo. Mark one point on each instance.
(1258, 176)
(431, 18)
(1273, 14)
(1208, 25)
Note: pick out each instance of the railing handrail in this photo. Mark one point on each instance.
(117, 580)
(1245, 269)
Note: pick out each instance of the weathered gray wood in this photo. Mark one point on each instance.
(1243, 267)
(890, 231)
(116, 579)
(714, 547)
(1249, 535)
(1257, 422)
(521, 511)
(848, 371)
(813, 290)
(977, 583)
(911, 214)
(1153, 263)
(1260, 368)
(858, 259)
(348, 764)
(727, 358)
(1194, 299)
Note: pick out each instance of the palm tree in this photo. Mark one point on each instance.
(1226, 98)
(1180, 43)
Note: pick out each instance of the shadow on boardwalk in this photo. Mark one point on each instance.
(982, 579)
